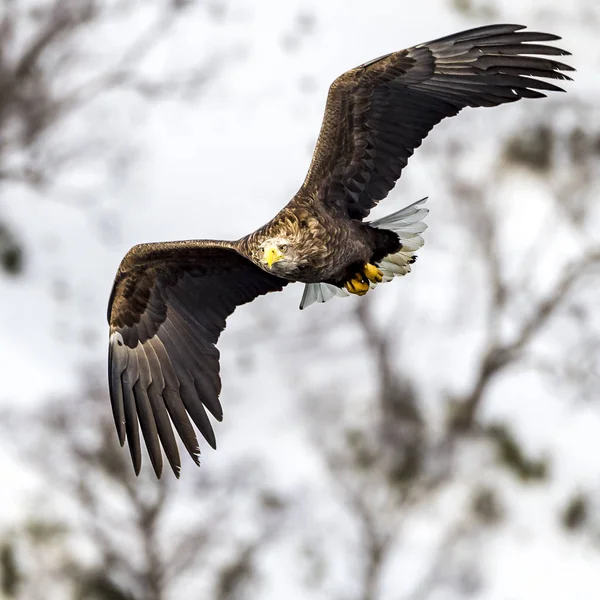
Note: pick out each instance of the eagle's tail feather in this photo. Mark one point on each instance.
(320, 292)
(408, 224)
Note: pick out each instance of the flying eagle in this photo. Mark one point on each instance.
(170, 300)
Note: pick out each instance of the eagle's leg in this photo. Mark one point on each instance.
(357, 285)
(372, 273)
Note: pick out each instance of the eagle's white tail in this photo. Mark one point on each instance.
(408, 224)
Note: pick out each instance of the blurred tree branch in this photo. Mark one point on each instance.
(389, 461)
(138, 547)
(498, 355)
(39, 58)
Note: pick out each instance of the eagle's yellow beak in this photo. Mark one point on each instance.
(272, 255)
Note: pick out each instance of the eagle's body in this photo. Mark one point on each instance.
(333, 248)
(170, 300)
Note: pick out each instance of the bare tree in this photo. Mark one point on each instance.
(52, 65)
(96, 531)
(47, 73)
(396, 458)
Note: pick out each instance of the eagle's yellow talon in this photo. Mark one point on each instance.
(372, 273)
(357, 285)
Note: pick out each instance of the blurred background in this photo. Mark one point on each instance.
(437, 439)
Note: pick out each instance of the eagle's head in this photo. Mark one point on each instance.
(281, 255)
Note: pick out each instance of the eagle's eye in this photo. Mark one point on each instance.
(283, 247)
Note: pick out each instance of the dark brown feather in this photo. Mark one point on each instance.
(168, 307)
(378, 113)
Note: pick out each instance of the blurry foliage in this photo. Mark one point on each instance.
(576, 512)
(11, 251)
(568, 157)
(10, 576)
(46, 531)
(314, 559)
(476, 9)
(583, 144)
(486, 505)
(401, 430)
(97, 586)
(236, 576)
(512, 456)
(462, 6)
(391, 447)
(532, 148)
(362, 455)
(272, 502)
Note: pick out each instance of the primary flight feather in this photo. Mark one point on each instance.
(170, 300)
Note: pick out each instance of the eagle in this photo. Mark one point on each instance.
(170, 300)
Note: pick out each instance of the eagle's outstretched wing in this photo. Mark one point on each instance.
(166, 312)
(378, 113)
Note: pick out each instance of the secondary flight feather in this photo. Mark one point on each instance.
(170, 300)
